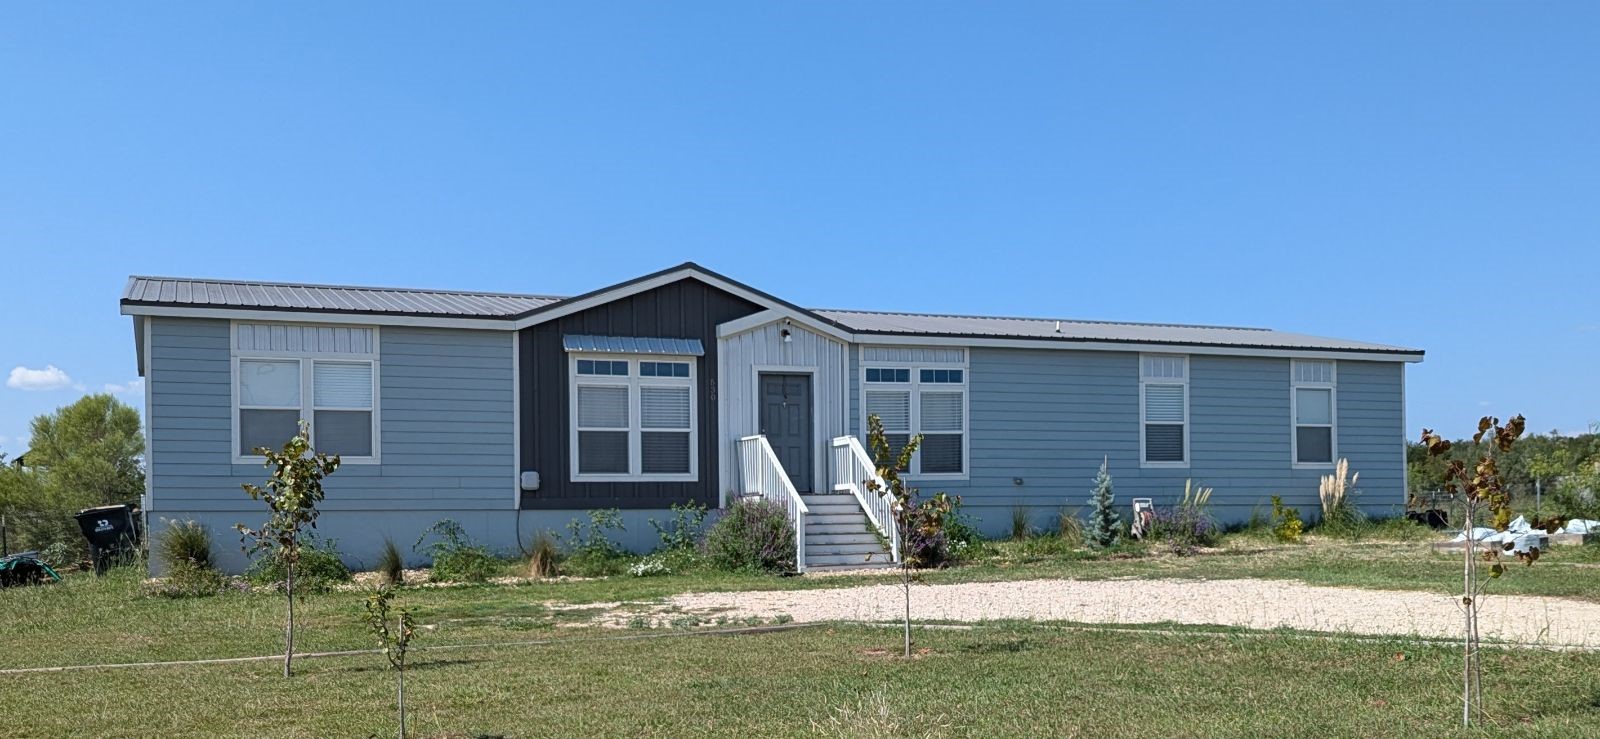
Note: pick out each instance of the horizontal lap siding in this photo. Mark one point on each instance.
(445, 414)
(765, 347)
(1049, 417)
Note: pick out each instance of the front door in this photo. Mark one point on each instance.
(786, 421)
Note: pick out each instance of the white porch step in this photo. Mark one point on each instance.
(812, 501)
(848, 560)
(873, 565)
(854, 537)
(825, 519)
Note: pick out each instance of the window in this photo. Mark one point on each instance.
(633, 419)
(927, 401)
(331, 386)
(1312, 403)
(1164, 409)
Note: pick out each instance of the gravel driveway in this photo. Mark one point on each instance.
(1256, 604)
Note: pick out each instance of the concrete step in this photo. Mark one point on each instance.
(850, 548)
(854, 560)
(884, 565)
(855, 537)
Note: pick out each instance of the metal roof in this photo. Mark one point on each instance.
(632, 345)
(178, 291)
(1068, 330)
(356, 300)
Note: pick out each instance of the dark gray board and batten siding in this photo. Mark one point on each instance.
(686, 309)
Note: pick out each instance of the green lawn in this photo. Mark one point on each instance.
(1000, 680)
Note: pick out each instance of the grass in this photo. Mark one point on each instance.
(1002, 680)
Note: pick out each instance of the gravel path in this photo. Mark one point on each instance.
(1256, 604)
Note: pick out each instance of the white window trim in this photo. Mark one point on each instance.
(1143, 381)
(915, 387)
(635, 419)
(1332, 386)
(307, 407)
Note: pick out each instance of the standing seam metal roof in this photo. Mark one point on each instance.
(279, 296)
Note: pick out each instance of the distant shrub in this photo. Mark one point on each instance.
(592, 552)
(456, 558)
(318, 569)
(753, 535)
(650, 566)
(543, 556)
(391, 564)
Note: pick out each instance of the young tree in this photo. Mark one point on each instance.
(394, 640)
(890, 464)
(1105, 526)
(292, 494)
(1484, 492)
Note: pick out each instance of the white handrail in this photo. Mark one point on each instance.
(852, 471)
(760, 473)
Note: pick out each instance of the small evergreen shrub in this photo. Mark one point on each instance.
(1105, 525)
(543, 556)
(186, 543)
(592, 552)
(391, 564)
(456, 558)
(753, 535)
(1286, 523)
(318, 569)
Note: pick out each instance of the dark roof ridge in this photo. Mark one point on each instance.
(1151, 324)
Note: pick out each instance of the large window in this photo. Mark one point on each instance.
(1164, 410)
(1312, 403)
(633, 419)
(275, 388)
(931, 401)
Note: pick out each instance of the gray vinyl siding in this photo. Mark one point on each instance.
(1049, 417)
(445, 423)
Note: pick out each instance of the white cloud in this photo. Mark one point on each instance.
(134, 386)
(49, 378)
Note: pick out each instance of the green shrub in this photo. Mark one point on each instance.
(592, 552)
(391, 564)
(456, 558)
(319, 567)
(683, 531)
(753, 535)
(186, 542)
(1189, 524)
(185, 579)
(1286, 523)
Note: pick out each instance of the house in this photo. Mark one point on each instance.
(513, 414)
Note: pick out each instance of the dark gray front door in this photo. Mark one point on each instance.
(786, 420)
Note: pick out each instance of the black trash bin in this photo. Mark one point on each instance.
(112, 531)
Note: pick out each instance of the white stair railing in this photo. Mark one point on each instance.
(760, 474)
(852, 470)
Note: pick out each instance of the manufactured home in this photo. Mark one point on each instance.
(513, 414)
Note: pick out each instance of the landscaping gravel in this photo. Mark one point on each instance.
(1256, 604)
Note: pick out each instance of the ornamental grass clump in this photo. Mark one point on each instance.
(1340, 514)
(186, 543)
(1189, 524)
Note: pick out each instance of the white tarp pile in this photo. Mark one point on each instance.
(1519, 534)
(1581, 526)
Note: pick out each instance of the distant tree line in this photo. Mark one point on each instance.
(1566, 469)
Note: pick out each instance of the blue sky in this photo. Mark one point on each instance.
(1378, 171)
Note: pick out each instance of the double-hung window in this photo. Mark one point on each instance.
(1164, 410)
(324, 376)
(1313, 406)
(931, 401)
(633, 419)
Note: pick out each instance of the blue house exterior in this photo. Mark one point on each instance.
(513, 414)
